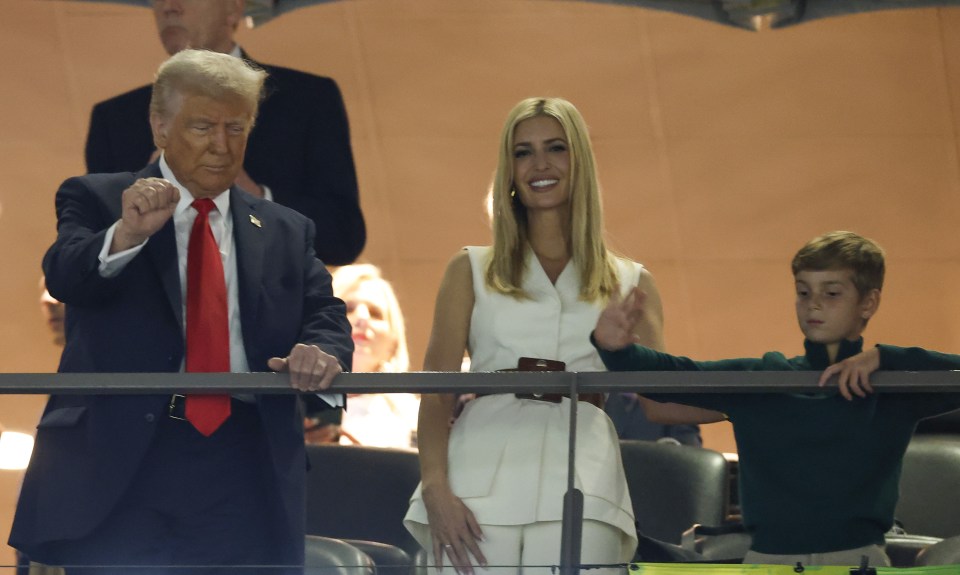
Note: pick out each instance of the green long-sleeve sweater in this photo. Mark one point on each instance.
(818, 473)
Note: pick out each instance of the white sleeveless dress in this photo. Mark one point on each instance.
(508, 456)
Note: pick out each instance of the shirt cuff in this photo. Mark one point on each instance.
(113, 264)
(332, 399)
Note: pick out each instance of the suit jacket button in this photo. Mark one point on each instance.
(150, 418)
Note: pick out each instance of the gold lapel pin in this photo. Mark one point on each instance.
(255, 221)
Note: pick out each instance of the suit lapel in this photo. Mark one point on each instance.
(162, 250)
(248, 235)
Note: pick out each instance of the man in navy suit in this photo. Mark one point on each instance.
(125, 479)
(298, 154)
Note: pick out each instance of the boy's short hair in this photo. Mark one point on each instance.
(844, 250)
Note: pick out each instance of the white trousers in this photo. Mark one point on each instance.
(534, 549)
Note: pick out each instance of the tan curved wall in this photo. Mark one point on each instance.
(720, 150)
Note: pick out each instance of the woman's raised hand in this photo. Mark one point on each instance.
(615, 328)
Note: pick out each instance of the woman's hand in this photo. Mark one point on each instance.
(853, 373)
(453, 529)
(616, 326)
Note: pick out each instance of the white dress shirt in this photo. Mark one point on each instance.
(221, 223)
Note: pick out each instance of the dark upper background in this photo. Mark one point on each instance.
(720, 150)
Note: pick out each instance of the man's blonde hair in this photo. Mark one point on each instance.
(205, 73)
(505, 270)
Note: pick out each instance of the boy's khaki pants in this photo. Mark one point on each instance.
(849, 557)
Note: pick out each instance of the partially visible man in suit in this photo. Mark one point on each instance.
(298, 155)
(176, 268)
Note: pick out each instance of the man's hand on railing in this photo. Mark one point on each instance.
(310, 368)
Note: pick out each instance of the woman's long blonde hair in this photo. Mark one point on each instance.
(504, 273)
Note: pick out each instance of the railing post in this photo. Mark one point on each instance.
(571, 529)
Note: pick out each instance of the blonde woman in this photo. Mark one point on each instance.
(380, 345)
(493, 485)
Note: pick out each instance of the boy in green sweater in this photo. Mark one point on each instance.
(819, 473)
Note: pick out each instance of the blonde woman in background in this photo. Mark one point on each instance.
(380, 345)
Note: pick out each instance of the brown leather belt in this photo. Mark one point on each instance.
(539, 364)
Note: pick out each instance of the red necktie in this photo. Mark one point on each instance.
(208, 331)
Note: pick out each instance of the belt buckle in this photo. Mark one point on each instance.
(177, 407)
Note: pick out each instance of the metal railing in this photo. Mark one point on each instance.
(493, 382)
(571, 383)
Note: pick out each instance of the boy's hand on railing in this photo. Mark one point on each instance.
(453, 529)
(853, 373)
(615, 328)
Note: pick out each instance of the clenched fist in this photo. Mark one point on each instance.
(146, 206)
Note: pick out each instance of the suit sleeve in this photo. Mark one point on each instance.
(71, 264)
(325, 322)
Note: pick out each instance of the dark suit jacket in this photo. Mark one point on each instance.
(299, 148)
(90, 446)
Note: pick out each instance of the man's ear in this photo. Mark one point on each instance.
(160, 128)
(235, 17)
(869, 304)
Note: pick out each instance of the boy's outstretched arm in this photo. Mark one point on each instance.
(637, 318)
(677, 413)
(853, 373)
